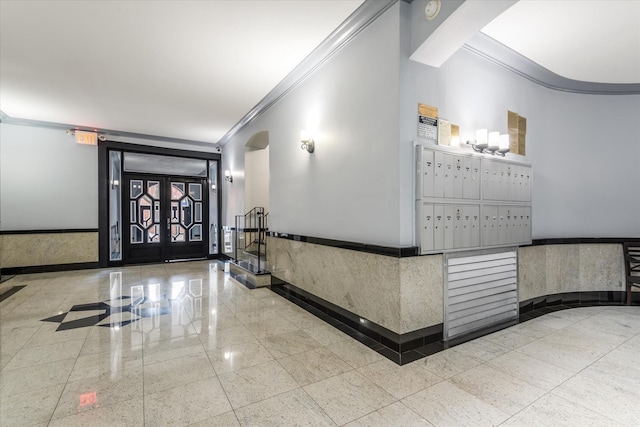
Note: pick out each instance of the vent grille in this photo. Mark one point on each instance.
(481, 290)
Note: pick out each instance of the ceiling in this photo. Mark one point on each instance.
(192, 70)
(181, 69)
(591, 41)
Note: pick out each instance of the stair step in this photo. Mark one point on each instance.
(245, 273)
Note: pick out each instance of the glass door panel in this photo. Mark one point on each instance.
(187, 218)
(144, 239)
(166, 217)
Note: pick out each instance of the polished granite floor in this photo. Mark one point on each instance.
(183, 344)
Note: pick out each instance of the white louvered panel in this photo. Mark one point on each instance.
(481, 290)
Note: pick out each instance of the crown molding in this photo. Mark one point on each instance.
(499, 54)
(368, 12)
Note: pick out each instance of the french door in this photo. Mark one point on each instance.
(165, 218)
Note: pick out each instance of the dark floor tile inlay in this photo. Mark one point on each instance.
(127, 312)
(10, 292)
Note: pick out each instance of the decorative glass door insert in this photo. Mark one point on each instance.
(166, 218)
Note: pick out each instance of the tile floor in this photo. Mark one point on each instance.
(197, 348)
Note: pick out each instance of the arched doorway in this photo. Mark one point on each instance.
(256, 172)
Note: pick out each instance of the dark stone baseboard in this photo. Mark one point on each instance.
(545, 304)
(400, 348)
(406, 348)
(49, 268)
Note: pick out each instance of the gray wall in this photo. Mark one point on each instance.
(348, 188)
(47, 181)
(358, 185)
(585, 149)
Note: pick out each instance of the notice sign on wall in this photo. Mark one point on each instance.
(427, 122)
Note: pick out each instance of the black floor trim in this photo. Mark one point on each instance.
(406, 348)
(10, 292)
(400, 348)
(49, 268)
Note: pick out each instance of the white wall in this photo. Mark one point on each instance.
(256, 180)
(585, 149)
(348, 188)
(47, 181)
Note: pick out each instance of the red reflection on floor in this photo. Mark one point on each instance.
(87, 399)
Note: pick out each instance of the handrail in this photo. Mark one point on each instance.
(253, 230)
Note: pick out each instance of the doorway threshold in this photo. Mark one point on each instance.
(187, 259)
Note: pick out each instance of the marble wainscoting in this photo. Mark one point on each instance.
(554, 269)
(44, 249)
(399, 294)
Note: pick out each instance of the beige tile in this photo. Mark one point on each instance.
(348, 396)
(14, 337)
(123, 343)
(160, 351)
(86, 394)
(394, 415)
(597, 396)
(326, 334)
(45, 375)
(164, 328)
(624, 375)
(270, 326)
(289, 343)
(29, 408)
(258, 315)
(509, 339)
(238, 356)
(501, 390)
(214, 323)
(572, 356)
(186, 404)
(174, 372)
(45, 353)
(228, 419)
(242, 303)
(480, 349)
(256, 383)
(274, 301)
(293, 408)
(533, 328)
(355, 353)
(226, 337)
(421, 292)
(313, 366)
(444, 404)
(535, 372)
(113, 365)
(304, 320)
(608, 324)
(128, 413)
(5, 357)
(555, 411)
(448, 363)
(554, 321)
(399, 381)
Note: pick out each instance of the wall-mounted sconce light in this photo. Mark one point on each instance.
(490, 142)
(503, 144)
(307, 142)
(480, 144)
(114, 184)
(227, 176)
(494, 140)
(213, 188)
